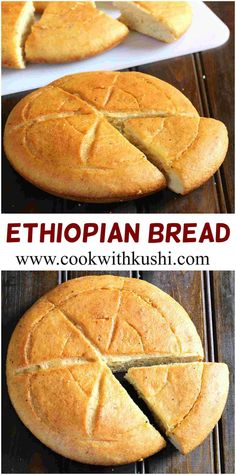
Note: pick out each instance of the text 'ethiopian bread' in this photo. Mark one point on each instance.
(187, 400)
(165, 21)
(17, 19)
(188, 150)
(69, 31)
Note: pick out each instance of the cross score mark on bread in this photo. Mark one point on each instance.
(58, 363)
(70, 138)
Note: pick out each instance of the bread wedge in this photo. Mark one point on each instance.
(70, 31)
(165, 21)
(17, 19)
(187, 400)
(187, 150)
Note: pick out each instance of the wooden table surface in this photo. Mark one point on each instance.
(207, 297)
(207, 79)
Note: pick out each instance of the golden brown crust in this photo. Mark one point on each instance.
(79, 412)
(118, 316)
(186, 399)
(188, 150)
(54, 39)
(123, 93)
(17, 18)
(207, 409)
(84, 157)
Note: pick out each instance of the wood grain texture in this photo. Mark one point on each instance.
(207, 297)
(207, 79)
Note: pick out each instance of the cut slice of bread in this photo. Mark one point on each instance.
(187, 150)
(187, 400)
(70, 31)
(17, 19)
(165, 21)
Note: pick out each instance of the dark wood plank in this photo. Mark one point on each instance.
(223, 311)
(218, 72)
(21, 451)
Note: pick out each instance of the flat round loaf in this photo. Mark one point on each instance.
(57, 375)
(187, 399)
(62, 137)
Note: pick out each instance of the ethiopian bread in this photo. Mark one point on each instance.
(188, 150)
(70, 31)
(187, 399)
(72, 118)
(17, 18)
(56, 364)
(165, 21)
(104, 133)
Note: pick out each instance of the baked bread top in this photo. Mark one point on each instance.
(17, 18)
(186, 399)
(121, 95)
(59, 137)
(61, 144)
(69, 31)
(120, 320)
(188, 150)
(165, 21)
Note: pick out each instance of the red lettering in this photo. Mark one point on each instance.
(11, 231)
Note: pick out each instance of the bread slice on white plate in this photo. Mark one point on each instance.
(188, 150)
(71, 31)
(187, 400)
(165, 21)
(17, 18)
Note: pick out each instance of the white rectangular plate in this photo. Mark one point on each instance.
(207, 31)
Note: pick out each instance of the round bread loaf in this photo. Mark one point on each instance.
(67, 138)
(58, 362)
